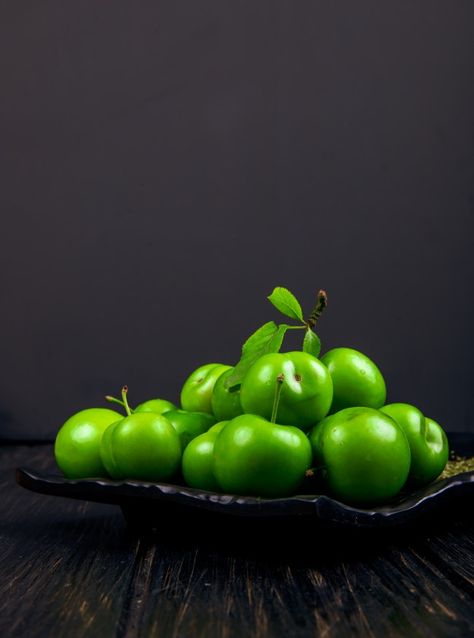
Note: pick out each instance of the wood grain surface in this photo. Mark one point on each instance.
(72, 568)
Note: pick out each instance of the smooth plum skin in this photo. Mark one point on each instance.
(77, 445)
(142, 446)
(157, 406)
(255, 457)
(198, 460)
(189, 425)
(315, 436)
(196, 393)
(428, 442)
(436, 437)
(106, 453)
(356, 379)
(306, 392)
(225, 404)
(366, 455)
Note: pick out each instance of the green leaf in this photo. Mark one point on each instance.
(268, 338)
(311, 343)
(277, 339)
(286, 302)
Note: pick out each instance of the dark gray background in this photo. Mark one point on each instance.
(163, 165)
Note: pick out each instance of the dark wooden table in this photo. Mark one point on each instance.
(71, 568)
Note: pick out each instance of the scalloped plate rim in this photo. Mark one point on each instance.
(321, 506)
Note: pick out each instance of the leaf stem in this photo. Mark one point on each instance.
(125, 402)
(321, 304)
(276, 400)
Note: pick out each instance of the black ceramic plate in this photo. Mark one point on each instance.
(147, 502)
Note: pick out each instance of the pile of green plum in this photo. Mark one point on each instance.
(275, 423)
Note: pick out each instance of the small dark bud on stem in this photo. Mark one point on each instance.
(321, 304)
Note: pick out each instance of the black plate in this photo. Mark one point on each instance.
(146, 504)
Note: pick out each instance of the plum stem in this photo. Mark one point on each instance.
(125, 401)
(276, 401)
(111, 399)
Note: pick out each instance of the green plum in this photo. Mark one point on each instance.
(77, 445)
(364, 453)
(188, 425)
(105, 450)
(198, 460)
(196, 393)
(253, 456)
(143, 446)
(428, 442)
(306, 392)
(225, 403)
(158, 406)
(356, 379)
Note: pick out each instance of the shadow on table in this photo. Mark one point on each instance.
(281, 539)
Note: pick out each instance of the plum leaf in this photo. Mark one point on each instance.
(267, 339)
(286, 303)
